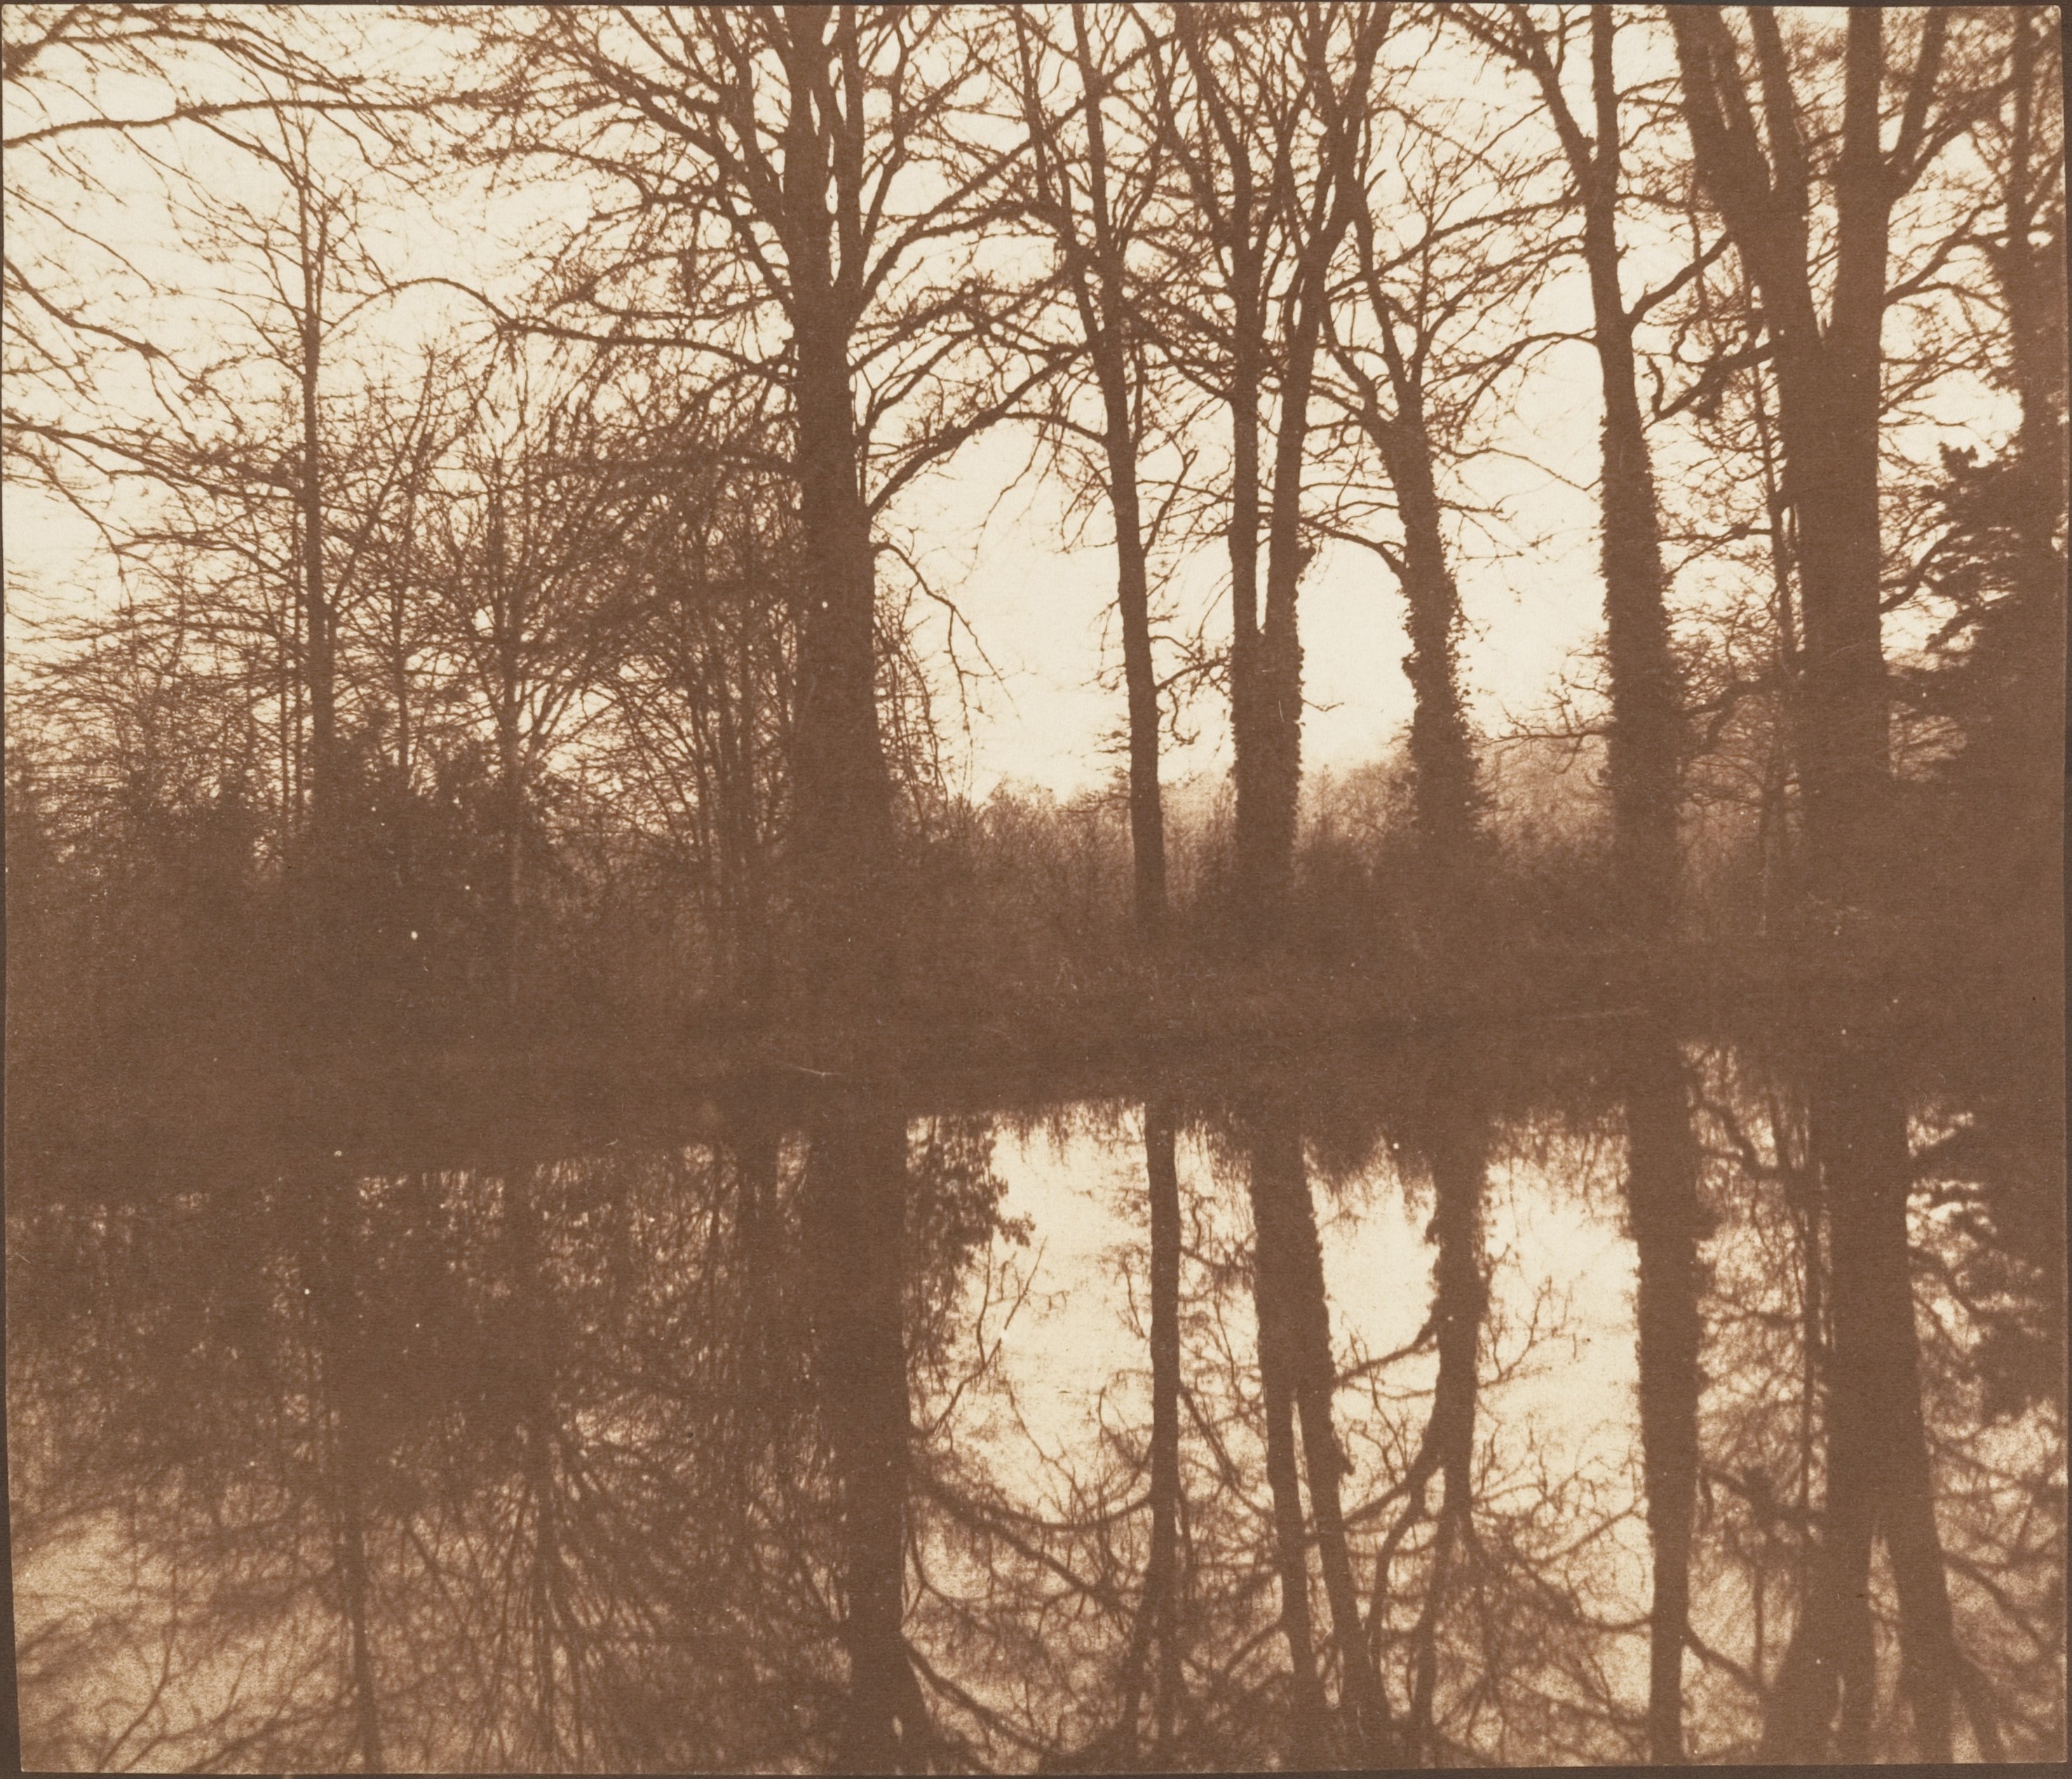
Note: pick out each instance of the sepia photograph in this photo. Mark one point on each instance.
(1074, 888)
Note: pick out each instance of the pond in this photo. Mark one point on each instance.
(1601, 1394)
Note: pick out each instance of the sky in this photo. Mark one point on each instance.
(1037, 599)
(1044, 612)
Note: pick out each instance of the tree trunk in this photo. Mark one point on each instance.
(1247, 747)
(843, 789)
(1445, 800)
(841, 786)
(1269, 783)
(1647, 699)
(511, 799)
(1104, 319)
(1278, 714)
(1147, 821)
(1828, 403)
(1828, 399)
(321, 665)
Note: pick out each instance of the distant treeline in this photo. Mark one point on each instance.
(568, 671)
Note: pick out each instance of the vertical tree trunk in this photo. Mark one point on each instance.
(316, 900)
(1268, 737)
(1104, 319)
(1828, 401)
(511, 811)
(1241, 230)
(1147, 820)
(1246, 745)
(400, 676)
(754, 984)
(1828, 386)
(1647, 699)
(842, 786)
(321, 663)
(1442, 757)
(1446, 803)
(1277, 726)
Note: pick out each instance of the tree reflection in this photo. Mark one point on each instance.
(1662, 1199)
(341, 1378)
(1156, 1620)
(854, 1220)
(1453, 1142)
(787, 1447)
(1877, 1478)
(1886, 1430)
(1298, 1374)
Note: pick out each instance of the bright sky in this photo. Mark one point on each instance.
(1044, 613)
(1039, 604)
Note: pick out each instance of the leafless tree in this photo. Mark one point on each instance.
(1094, 202)
(1262, 112)
(1763, 182)
(778, 178)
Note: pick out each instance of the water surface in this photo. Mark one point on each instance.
(1627, 1397)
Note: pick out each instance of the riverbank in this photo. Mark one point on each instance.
(505, 1085)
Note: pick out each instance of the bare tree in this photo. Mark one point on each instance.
(702, 689)
(96, 97)
(1829, 370)
(1645, 734)
(799, 184)
(1093, 203)
(1424, 331)
(531, 565)
(1262, 129)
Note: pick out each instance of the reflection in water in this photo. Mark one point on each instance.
(855, 1243)
(1312, 1422)
(1878, 1484)
(1299, 1376)
(1662, 1202)
(1453, 1141)
(1157, 1618)
(342, 1352)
